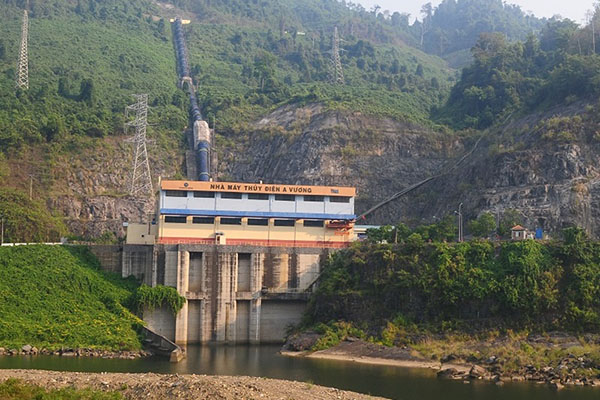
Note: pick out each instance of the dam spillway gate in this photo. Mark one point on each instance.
(235, 294)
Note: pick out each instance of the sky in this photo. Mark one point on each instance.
(573, 9)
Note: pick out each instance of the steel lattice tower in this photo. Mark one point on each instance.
(23, 65)
(141, 180)
(336, 74)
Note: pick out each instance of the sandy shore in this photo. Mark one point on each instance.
(163, 386)
(367, 353)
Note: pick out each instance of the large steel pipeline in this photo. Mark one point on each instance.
(445, 170)
(200, 127)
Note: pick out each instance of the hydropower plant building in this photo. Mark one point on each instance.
(246, 256)
(255, 214)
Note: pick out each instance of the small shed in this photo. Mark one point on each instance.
(517, 232)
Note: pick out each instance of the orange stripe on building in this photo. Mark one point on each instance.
(252, 242)
(239, 187)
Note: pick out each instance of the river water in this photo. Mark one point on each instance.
(265, 361)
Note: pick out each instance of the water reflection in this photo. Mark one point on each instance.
(397, 383)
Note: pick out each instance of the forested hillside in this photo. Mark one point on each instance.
(262, 71)
(453, 27)
(558, 67)
(85, 62)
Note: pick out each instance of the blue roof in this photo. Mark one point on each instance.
(258, 214)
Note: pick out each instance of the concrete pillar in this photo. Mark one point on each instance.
(209, 288)
(181, 321)
(227, 263)
(254, 321)
(231, 313)
(280, 271)
(171, 268)
(127, 260)
(154, 274)
(256, 284)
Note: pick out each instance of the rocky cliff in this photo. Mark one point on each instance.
(379, 156)
(90, 189)
(542, 165)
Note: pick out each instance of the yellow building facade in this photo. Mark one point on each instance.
(233, 213)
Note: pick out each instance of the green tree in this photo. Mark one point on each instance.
(509, 219)
(87, 92)
(483, 226)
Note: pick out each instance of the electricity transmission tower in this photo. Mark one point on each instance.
(141, 180)
(23, 65)
(336, 74)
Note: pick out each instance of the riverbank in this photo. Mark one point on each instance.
(28, 350)
(556, 359)
(162, 386)
(363, 352)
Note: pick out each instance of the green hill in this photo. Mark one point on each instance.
(55, 296)
(452, 28)
(556, 69)
(85, 63)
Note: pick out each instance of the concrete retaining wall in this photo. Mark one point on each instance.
(110, 257)
(161, 321)
(277, 316)
(235, 294)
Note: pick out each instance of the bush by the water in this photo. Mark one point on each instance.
(56, 296)
(158, 296)
(553, 285)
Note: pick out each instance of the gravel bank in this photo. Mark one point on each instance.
(159, 386)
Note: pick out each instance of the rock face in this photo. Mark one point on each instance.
(310, 146)
(552, 184)
(90, 187)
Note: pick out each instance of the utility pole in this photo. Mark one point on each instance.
(336, 73)
(1, 230)
(460, 222)
(30, 187)
(141, 180)
(23, 64)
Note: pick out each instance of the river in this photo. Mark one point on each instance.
(265, 361)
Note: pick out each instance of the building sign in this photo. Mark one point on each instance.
(258, 188)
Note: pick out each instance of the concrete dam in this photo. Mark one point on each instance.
(234, 293)
(245, 256)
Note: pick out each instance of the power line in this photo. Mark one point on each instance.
(336, 73)
(23, 64)
(141, 180)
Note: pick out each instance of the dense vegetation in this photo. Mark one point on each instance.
(86, 59)
(453, 27)
(25, 220)
(554, 285)
(14, 389)
(558, 67)
(249, 58)
(147, 297)
(55, 296)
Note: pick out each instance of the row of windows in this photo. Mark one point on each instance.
(256, 196)
(238, 221)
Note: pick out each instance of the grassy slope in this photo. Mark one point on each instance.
(54, 296)
(221, 64)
